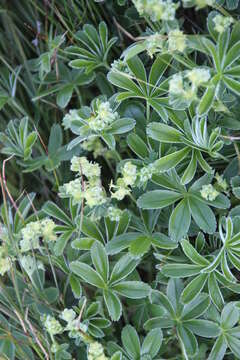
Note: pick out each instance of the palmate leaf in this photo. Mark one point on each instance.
(229, 318)
(80, 124)
(93, 50)
(136, 83)
(131, 342)
(195, 139)
(65, 86)
(18, 140)
(192, 205)
(185, 318)
(112, 285)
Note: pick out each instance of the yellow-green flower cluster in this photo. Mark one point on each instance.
(179, 83)
(73, 325)
(47, 228)
(114, 213)
(52, 325)
(85, 167)
(103, 117)
(120, 65)
(96, 351)
(73, 189)
(129, 176)
(221, 182)
(69, 118)
(36, 230)
(68, 315)
(129, 173)
(154, 43)
(94, 144)
(208, 192)
(90, 190)
(177, 41)
(198, 76)
(146, 173)
(157, 9)
(222, 22)
(5, 262)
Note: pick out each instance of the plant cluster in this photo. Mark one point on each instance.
(120, 179)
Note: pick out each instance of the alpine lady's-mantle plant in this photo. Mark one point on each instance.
(120, 216)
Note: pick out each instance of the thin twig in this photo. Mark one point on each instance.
(81, 312)
(127, 33)
(21, 322)
(33, 330)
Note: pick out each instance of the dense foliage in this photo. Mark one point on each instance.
(120, 179)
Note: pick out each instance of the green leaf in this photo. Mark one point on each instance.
(202, 215)
(196, 308)
(164, 133)
(132, 289)
(75, 286)
(180, 220)
(140, 246)
(124, 81)
(190, 170)
(204, 328)
(131, 342)
(210, 47)
(117, 356)
(23, 210)
(86, 273)
(188, 341)
(207, 100)
(120, 242)
(100, 260)
(232, 55)
(159, 322)
(109, 140)
(53, 210)
(219, 349)
(232, 84)
(214, 291)
(193, 288)
(62, 242)
(7, 348)
(165, 301)
(158, 199)
(90, 229)
(83, 243)
(172, 160)
(156, 73)
(55, 139)
(229, 316)
(181, 270)
(174, 290)
(122, 126)
(113, 304)
(192, 254)
(123, 267)
(234, 344)
(133, 50)
(64, 96)
(137, 145)
(152, 343)
(234, 260)
(138, 70)
(162, 241)
(159, 106)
